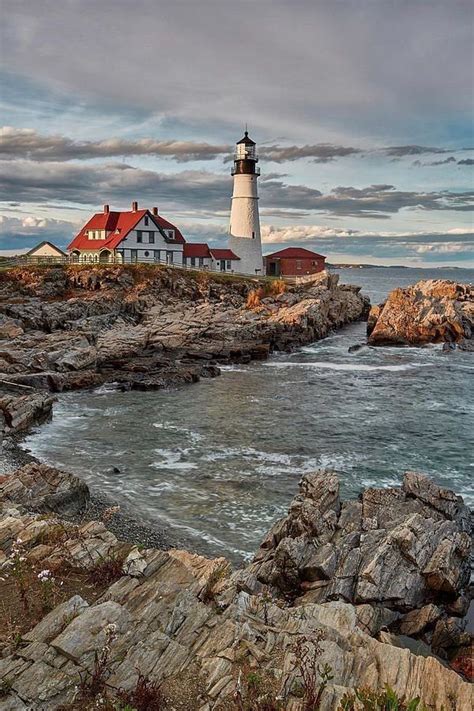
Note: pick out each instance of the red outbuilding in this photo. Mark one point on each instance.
(294, 261)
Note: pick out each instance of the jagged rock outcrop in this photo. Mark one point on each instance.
(178, 617)
(432, 311)
(143, 327)
(20, 408)
(39, 487)
(400, 554)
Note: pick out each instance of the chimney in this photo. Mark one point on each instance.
(134, 206)
(106, 209)
(155, 210)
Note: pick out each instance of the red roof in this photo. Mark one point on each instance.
(196, 250)
(223, 254)
(294, 253)
(119, 224)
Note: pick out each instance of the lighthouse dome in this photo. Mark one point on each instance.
(246, 141)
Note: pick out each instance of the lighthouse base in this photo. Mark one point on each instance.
(250, 252)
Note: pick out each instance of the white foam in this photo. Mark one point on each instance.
(171, 459)
(194, 436)
(361, 367)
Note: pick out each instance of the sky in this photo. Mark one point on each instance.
(362, 111)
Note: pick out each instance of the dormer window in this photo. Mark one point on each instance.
(146, 220)
(170, 234)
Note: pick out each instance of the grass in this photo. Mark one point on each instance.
(148, 269)
(15, 620)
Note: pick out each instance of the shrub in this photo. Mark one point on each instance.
(313, 677)
(256, 692)
(387, 700)
(254, 298)
(94, 685)
(146, 696)
(106, 570)
(275, 287)
(209, 591)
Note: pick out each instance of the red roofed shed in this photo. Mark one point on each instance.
(294, 261)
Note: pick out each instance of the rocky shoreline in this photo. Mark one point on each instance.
(66, 328)
(374, 590)
(368, 593)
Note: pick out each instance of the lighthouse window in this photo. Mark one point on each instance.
(253, 235)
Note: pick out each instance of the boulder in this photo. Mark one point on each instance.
(431, 311)
(39, 487)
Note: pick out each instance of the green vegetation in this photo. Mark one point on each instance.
(387, 700)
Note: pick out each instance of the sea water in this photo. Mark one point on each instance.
(219, 461)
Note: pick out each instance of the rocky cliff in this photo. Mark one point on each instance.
(432, 311)
(341, 595)
(143, 327)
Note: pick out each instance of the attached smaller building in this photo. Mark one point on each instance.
(294, 261)
(197, 255)
(224, 260)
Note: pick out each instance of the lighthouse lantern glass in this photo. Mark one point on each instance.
(245, 151)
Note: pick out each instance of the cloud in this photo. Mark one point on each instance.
(28, 143)
(25, 232)
(402, 151)
(452, 246)
(117, 183)
(451, 159)
(303, 233)
(375, 201)
(223, 64)
(319, 153)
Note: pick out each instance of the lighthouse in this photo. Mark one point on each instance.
(244, 228)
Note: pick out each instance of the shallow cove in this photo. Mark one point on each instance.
(219, 461)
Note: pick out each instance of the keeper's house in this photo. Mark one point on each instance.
(294, 261)
(128, 238)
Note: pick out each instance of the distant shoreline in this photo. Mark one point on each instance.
(383, 266)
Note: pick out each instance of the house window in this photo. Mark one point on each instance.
(139, 236)
(146, 221)
(169, 257)
(147, 254)
(298, 264)
(156, 255)
(201, 261)
(151, 237)
(193, 261)
(229, 264)
(170, 234)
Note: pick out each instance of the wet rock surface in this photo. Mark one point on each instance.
(174, 611)
(432, 311)
(144, 328)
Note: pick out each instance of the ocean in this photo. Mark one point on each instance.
(219, 461)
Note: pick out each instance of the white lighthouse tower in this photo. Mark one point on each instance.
(244, 228)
